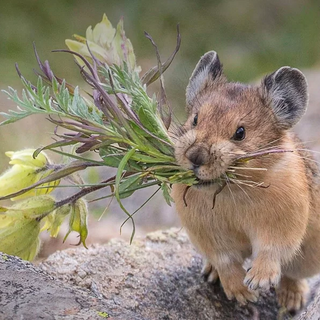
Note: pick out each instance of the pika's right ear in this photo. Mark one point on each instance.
(208, 70)
(286, 89)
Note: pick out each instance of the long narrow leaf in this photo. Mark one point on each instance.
(119, 174)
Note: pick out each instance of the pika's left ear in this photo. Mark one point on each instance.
(287, 90)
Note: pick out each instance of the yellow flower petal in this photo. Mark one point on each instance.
(102, 34)
(106, 43)
(78, 220)
(20, 238)
(25, 157)
(31, 208)
(16, 178)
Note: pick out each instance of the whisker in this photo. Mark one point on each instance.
(276, 147)
(270, 143)
(235, 181)
(297, 143)
(248, 168)
(254, 155)
(238, 174)
(307, 158)
(227, 184)
(248, 183)
(309, 150)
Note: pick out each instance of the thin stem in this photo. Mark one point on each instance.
(88, 190)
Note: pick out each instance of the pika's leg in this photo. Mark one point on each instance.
(231, 277)
(292, 293)
(209, 272)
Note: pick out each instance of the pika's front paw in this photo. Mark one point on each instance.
(292, 294)
(234, 288)
(262, 276)
(209, 272)
(231, 279)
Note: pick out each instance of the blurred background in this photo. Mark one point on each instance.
(252, 38)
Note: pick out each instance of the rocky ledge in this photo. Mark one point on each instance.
(154, 278)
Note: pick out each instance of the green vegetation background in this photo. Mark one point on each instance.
(251, 37)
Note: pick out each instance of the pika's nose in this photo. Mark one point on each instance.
(198, 156)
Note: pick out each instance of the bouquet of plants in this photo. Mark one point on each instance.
(116, 118)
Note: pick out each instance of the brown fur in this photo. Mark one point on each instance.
(277, 226)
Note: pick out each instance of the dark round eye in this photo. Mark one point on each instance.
(239, 134)
(195, 120)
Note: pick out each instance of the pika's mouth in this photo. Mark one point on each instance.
(206, 183)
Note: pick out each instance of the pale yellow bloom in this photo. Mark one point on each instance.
(53, 221)
(25, 157)
(30, 208)
(20, 237)
(78, 220)
(25, 171)
(20, 226)
(106, 43)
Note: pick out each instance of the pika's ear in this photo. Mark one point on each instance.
(208, 70)
(287, 90)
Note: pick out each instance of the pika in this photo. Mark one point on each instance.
(263, 207)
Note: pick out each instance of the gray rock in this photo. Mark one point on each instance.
(154, 278)
(28, 293)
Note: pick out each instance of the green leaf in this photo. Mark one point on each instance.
(166, 193)
(78, 221)
(129, 183)
(110, 158)
(53, 145)
(119, 174)
(152, 122)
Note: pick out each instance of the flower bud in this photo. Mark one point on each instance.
(78, 220)
(54, 220)
(31, 208)
(16, 178)
(25, 157)
(25, 171)
(107, 44)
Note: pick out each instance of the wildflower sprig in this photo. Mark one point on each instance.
(116, 118)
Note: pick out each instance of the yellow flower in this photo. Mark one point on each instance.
(78, 220)
(25, 157)
(20, 226)
(53, 221)
(25, 171)
(107, 44)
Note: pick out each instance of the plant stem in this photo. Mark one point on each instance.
(88, 190)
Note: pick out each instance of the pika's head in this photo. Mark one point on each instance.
(227, 120)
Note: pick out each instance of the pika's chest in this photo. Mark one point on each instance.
(209, 228)
(222, 213)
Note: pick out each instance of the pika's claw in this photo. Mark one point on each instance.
(241, 294)
(209, 272)
(262, 277)
(261, 280)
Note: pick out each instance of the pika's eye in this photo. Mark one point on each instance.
(239, 134)
(195, 120)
